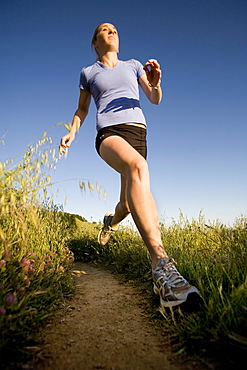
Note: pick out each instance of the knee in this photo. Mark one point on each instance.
(139, 170)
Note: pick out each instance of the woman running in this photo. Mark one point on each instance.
(121, 143)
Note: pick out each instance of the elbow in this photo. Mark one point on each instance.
(156, 101)
(155, 98)
(82, 113)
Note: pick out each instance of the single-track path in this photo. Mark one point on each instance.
(104, 326)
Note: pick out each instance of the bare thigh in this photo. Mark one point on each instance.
(120, 155)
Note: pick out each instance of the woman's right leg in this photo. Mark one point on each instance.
(122, 209)
(133, 167)
(168, 282)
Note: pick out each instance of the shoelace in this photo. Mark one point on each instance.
(172, 274)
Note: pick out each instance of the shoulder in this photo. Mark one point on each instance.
(133, 62)
(135, 66)
(88, 69)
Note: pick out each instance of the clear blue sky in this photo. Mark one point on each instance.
(197, 149)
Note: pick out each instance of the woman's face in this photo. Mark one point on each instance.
(107, 38)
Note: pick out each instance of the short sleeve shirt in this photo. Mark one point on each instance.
(115, 92)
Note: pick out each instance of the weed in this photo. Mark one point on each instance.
(212, 257)
(35, 272)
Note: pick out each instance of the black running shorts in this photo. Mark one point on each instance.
(134, 135)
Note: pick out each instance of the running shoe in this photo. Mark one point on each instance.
(171, 286)
(106, 231)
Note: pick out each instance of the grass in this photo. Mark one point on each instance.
(35, 263)
(38, 243)
(211, 256)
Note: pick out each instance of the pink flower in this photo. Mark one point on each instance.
(10, 299)
(25, 262)
(31, 254)
(2, 263)
(2, 311)
(25, 269)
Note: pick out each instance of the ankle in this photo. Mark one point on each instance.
(156, 259)
(114, 227)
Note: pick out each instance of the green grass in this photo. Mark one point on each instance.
(213, 257)
(38, 243)
(35, 263)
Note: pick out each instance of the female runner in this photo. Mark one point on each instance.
(121, 143)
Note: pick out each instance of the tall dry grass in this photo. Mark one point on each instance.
(211, 256)
(35, 272)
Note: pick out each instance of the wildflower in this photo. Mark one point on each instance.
(2, 311)
(31, 254)
(25, 262)
(2, 263)
(25, 269)
(26, 280)
(8, 256)
(10, 299)
(61, 268)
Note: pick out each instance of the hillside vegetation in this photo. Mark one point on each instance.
(211, 256)
(38, 243)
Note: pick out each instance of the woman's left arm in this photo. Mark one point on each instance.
(150, 81)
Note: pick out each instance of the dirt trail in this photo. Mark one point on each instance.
(105, 327)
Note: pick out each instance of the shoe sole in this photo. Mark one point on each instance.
(99, 238)
(99, 235)
(104, 222)
(192, 303)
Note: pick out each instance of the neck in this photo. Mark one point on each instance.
(109, 59)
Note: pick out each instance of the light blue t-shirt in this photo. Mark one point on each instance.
(115, 92)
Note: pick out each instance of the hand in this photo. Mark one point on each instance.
(153, 71)
(66, 142)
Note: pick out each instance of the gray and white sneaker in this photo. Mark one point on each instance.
(106, 231)
(171, 286)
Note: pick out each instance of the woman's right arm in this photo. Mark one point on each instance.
(78, 119)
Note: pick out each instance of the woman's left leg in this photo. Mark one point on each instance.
(122, 208)
(111, 221)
